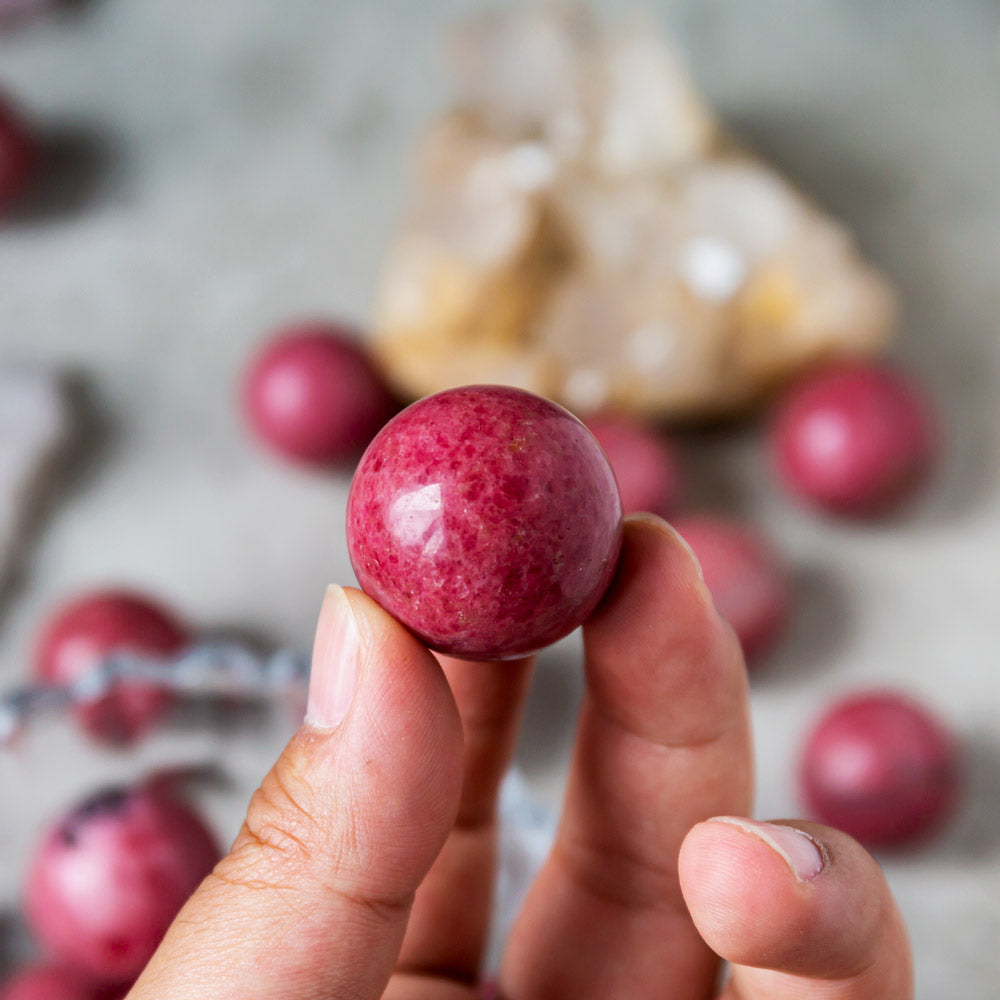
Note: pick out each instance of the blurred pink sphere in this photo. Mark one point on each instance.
(746, 579)
(109, 877)
(643, 461)
(313, 395)
(880, 767)
(853, 439)
(84, 631)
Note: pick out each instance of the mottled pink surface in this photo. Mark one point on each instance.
(486, 519)
(82, 632)
(313, 396)
(643, 461)
(18, 154)
(109, 877)
(880, 767)
(48, 982)
(853, 439)
(747, 581)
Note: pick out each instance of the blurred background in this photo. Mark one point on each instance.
(211, 171)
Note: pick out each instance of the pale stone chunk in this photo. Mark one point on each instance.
(582, 228)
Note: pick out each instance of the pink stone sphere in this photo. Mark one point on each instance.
(86, 630)
(109, 877)
(313, 396)
(853, 439)
(18, 154)
(880, 767)
(48, 982)
(643, 461)
(745, 577)
(485, 519)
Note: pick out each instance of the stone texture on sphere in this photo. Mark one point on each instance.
(582, 228)
(485, 519)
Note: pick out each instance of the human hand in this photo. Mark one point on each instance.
(365, 865)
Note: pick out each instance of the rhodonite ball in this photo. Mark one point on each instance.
(881, 767)
(854, 439)
(110, 876)
(313, 396)
(98, 624)
(485, 519)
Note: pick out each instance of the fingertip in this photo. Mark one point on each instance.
(345, 826)
(802, 853)
(404, 669)
(659, 658)
(643, 522)
(738, 890)
(656, 565)
(790, 896)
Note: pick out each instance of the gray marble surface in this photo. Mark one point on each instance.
(220, 167)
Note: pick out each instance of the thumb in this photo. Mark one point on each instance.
(313, 899)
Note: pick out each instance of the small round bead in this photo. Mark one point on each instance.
(643, 461)
(747, 581)
(83, 632)
(880, 767)
(854, 439)
(313, 395)
(110, 876)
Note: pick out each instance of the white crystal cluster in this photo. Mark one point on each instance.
(34, 424)
(583, 228)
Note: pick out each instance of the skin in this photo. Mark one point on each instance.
(384, 888)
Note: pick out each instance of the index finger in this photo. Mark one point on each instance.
(663, 742)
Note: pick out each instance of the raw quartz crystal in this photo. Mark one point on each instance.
(583, 229)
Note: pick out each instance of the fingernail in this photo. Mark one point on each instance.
(655, 521)
(798, 850)
(333, 676)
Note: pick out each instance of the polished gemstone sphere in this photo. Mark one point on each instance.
(881, 767)
(313, 396)
(485, 519)
(854, 439)
(110, 876)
